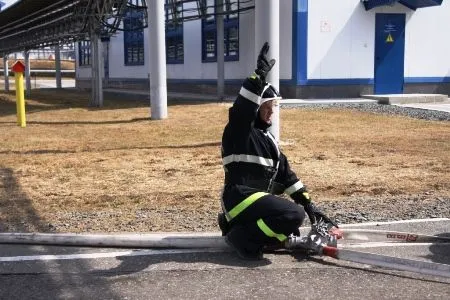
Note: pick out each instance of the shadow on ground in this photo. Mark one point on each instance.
(55, 99)
(15, 204)
(440, 252)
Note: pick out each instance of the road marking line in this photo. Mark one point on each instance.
(104, 254)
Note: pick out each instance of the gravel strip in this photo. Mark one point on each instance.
(343, 211)
(416, 113)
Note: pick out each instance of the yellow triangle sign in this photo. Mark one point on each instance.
(389, 39)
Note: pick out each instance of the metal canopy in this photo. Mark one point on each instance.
(32, 24)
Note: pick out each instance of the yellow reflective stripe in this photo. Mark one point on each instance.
(244, 204)
(267, 231)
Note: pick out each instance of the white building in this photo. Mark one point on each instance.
(328, 48)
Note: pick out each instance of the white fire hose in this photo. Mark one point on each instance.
(215, 240)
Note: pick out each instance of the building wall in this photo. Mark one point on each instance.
(340, 48)
(193, 67)
(341, 40)
(427, 44)
(117, 67)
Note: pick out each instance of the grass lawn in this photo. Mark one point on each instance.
(72, 159)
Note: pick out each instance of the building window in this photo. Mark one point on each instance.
(84, 53)
(174, 32)
(133, 26)
(231, 32)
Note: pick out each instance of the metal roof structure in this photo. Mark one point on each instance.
(29, 24)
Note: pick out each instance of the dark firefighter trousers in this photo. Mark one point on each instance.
(264, 219)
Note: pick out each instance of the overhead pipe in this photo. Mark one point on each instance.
(39, 12)
(51, 14)
(34, 27)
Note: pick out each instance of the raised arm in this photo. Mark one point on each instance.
(246, 105)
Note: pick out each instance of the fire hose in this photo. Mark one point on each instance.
(323, 241)
(320, 241)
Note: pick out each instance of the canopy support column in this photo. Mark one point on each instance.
(27, 73)
(220, 50)
(96, 65)
(58, 66)
(267, 29)
(157, 63)
(6, 72)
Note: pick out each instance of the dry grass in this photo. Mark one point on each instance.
(43, 64)
(71, 158)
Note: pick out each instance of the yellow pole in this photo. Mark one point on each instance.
(16, 77)
(20, 99)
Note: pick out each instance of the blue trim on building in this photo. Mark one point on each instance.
(409, 6)
(300, 41)
(415, 4)
(369, 4)
(427, 79)
(204, 81)
(412, 4)
(339, 81)
(294, 41)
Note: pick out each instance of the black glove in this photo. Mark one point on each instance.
(264, 65)
(302, 197)
(315, 214)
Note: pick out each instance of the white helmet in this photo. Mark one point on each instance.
(270, 93)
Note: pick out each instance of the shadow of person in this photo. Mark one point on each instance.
(139, 260)
(16, 208)
(440, 252)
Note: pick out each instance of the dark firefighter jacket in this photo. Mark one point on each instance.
(252, 161)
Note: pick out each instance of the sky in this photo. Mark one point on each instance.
(8, 2)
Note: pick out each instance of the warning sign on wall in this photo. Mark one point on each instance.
(389, 39)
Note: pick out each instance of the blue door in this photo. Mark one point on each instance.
(389, 53)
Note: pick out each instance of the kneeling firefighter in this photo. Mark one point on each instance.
(256, 171)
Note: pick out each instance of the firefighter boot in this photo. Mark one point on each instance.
(223, 223)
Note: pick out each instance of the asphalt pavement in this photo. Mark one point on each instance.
(50, 272)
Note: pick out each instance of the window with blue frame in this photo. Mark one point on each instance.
(84, 53)
(174, 32)
(231, 32)
(133, 26)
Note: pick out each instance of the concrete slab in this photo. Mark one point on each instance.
(407, 98)
(439, 106)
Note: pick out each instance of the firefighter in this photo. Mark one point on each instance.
(256, 171)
